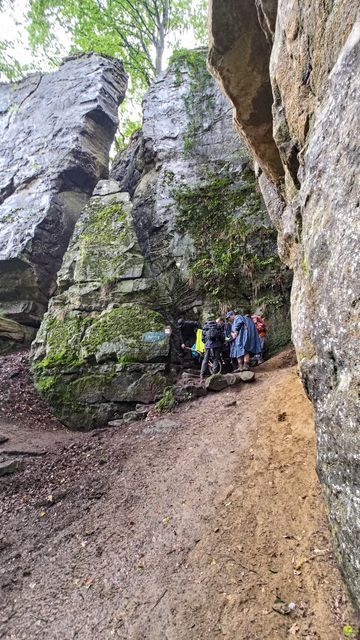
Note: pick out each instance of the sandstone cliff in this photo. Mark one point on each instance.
(56, 130)
(309, 56)
(179, 228)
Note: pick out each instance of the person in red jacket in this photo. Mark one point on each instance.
(261, 327)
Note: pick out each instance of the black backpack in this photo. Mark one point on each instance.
(213, 333)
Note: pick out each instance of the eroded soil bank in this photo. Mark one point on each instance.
(184, 530)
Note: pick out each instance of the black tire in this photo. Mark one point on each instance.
(211, 366)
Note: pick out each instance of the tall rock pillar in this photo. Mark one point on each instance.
(56, 130)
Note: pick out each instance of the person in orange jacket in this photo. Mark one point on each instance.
(262, 330)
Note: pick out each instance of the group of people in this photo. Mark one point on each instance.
(237, 337)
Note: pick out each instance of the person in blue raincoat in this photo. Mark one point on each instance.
(246, 339)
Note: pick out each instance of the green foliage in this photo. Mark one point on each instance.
(127, 127)
(167, 401)
(233, 260)
(193, 59)
(10, 68)
(125, 29)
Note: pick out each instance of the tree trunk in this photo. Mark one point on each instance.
(159, 50)
(163, 25)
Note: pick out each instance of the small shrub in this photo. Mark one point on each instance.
(167, 400)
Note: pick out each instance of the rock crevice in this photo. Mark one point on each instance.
(313, 69)
(56, 130)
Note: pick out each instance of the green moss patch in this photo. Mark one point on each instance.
(129, 322)
(234, 260)
(63, 339)
(106, 243)
(199, 101)
(99, 223)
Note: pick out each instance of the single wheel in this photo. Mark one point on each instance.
(211, 367)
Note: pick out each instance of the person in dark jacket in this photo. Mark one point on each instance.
(226, 327)
(213, 338)
(187, 330)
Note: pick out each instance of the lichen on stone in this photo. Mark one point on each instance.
(234, 259)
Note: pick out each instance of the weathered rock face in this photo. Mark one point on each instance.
(192, 182)
(129, 269)
(306, 47)
(186, 133)
(99, 347)
(314, 72)
(239, 58)
(56, 130)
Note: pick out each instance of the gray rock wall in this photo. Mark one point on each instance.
(188, 143)
(314, 74)
(56, 130)
(102, 346)
(186, 131)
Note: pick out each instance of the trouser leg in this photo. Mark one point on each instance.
(217, 356)
(240, 363)
(260, 356)
(205, 363)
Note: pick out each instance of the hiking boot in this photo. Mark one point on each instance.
(238, 369)
(246, 367)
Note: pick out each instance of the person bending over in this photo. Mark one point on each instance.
(245, 339)
(187, 330)
(213, 339)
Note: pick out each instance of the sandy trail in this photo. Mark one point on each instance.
(189, 530)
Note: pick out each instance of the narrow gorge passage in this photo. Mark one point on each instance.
(187, 528)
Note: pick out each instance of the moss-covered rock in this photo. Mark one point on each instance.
(126, 334)
(90, 368)
(104, 249)
(97, 352)
(234, 259)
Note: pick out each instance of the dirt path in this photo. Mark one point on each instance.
(187, 530)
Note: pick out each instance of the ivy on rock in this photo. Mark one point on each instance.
(233, 258)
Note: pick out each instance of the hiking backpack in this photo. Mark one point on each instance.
(259, 324)
(213, 333)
